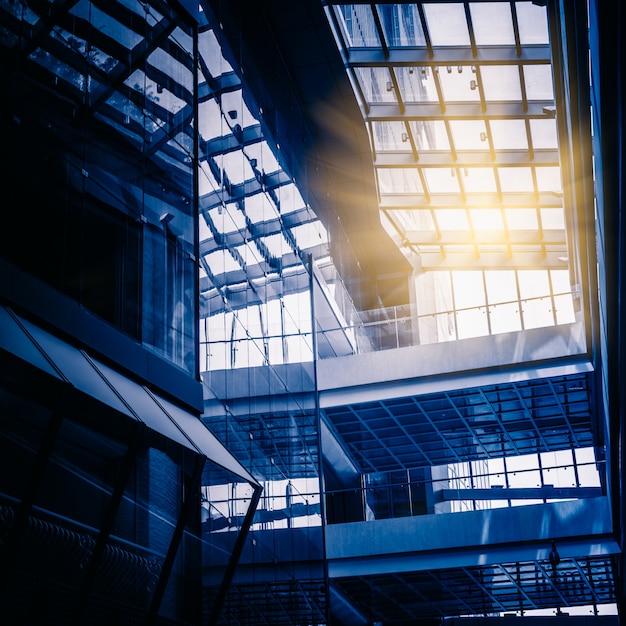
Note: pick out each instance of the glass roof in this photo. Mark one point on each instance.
(459, 102)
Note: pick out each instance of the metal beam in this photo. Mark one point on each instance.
(528, 238)
(460, 111)
(420, 57)
(468, 159)
(505, 259)
(522, 493)
(471, 201)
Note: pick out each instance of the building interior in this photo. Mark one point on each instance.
(310, 312)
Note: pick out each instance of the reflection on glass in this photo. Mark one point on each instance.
(376, 84)
(416, 84)
(430, 135)
(401, 24)
(390, 136)
(358, 25)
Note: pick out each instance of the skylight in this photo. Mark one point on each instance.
(460, 105)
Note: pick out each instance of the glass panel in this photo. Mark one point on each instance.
(479, 179)
(532, 21)
(544, 133)
(265, 160)
(537, 311)
(447, 24)
(452, 219)
(469, 293)
(469, 134)
(376, 84)
(487, 219)
(236, 167)
(358, 26)
(413, 219)
(548, 179)
(501, 82)
(538, 82)
(521, 219)
(564, 303)
(456, 84)
(552, 218)
(516, 179)
(501, 286)
(401, 25)
(430, 135)
(390, 136)
(508, 134)
(492, 24)
(416, 85)
(441, 180)
(398, 180)
(210, 50)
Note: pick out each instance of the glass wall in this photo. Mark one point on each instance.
(99, 151)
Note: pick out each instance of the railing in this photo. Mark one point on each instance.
(396, 327)
(454, 494)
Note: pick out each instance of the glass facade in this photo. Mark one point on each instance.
(99, 139)
(364, 234)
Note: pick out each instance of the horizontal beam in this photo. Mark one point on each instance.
(472, 200)
(480, 259)
(379, 111)
(487, 238)
(444, 56)
(581, 528)
(466, 159)
(521, 493)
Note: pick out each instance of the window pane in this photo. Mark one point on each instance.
(492, 24)
(447, 24)
(376, 84)
(548, 179)
(544, 133)
(357, 23)
(456, 84)
(515, 179)
(521, 219)
(441, 180)
(487, 219)
(469, 134)
(509, 134)
(479, 179)
(501, 82)
(452, 219)
(430, 135)
(415, 86)
(538, 82)
(532, 21)
(401, 25)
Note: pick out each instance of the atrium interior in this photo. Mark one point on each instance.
(310, 313)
